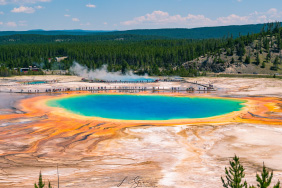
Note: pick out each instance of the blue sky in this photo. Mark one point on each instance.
(134, 14)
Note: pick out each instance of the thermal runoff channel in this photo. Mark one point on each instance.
(146, 107)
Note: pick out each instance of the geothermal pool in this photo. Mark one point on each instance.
(141, 79)
(35, 82)
(134, 79)
(146, 107)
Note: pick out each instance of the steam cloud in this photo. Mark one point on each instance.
(103, 74)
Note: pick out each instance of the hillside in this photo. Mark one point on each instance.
(197, 33)
(37, 39)
(181, 33)
(251, 53)
(50, 32)
(259, 54)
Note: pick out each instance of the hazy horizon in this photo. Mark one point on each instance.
(85, 30)
(109, 15)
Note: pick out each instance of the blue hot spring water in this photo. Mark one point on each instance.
(146, 107)
(36, 82)
(142, 79)
(135, 79)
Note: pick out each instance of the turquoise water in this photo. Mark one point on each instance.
(36, 82)
(146, 107)
(139, 79)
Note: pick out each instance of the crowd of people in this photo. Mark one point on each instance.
(105, 88)
(196, 87)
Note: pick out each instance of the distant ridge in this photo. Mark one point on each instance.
(176, 33)
(51, 32)
(197, 33)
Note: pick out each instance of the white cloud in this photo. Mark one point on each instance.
(11, 24)
(272, 11)
(91, 6)
(239, 1)
(23, 9)
(2, 13)
(1, 23)
(67, 15)
(39, 7)
(160, 18)
(75, 19)
(163, 18)
(233, 19)
(86, 24)
(105, 23)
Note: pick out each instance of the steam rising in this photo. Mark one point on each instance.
(103, 74)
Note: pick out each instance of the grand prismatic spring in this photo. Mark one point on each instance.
(113, 138)
(146, 107)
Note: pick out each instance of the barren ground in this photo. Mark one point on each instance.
(188, 156)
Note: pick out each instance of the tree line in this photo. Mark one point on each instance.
(155, 57)
(152, 56)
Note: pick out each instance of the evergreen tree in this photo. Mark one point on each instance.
(263, 65)
(234, 175)
(155, 70)
(277, 185)
(268, 57)
(248, 60)
(5, 72)
(276, 61)
(264, 180)
(266, 44)
(125, 67)
(49, 185)
(275, 66)
(257, 62)
(40, 182)
(232, 60)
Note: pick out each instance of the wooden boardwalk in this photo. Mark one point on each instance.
(50, 88)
